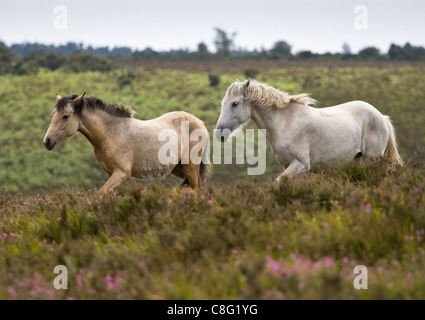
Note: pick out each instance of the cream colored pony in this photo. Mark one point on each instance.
(127, 147)
(303, 137)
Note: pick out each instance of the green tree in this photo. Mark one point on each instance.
(202, 48)
(346, 48)
(396, 52)
(52, 60)
(81, 62)
(5, 59)
(223, 42)
(369, 53)
(281, 49)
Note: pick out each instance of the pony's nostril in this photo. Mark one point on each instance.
(47, 143)
(222, 139)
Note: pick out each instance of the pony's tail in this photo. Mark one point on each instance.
(391, 151)
(205, 168)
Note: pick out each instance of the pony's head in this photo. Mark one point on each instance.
(235, 110)
(65, 120)
(241, 97)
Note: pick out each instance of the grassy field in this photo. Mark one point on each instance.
(241, 237)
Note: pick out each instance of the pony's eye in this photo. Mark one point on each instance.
(235, 104)
(65, 117)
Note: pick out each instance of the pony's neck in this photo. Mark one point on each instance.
(97, 127)
(267, 119)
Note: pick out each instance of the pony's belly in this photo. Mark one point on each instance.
(152, 170)
(332, 156)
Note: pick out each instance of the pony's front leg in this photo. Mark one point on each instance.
(116, 178)
(294, 168)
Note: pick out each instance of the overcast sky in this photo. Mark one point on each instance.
(164, 24)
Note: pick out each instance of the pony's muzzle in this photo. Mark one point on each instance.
(48, 144)
(222, 134)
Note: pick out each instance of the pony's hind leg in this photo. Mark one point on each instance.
(191, 172)
(177, 171)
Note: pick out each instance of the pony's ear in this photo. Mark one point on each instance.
(245, 86)
(79, 100)
(58, 97)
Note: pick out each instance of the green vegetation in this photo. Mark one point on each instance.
(240, 237)
(242, 240)
(214, 80)
(251, 73)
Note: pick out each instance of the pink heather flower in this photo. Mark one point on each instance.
(79, 282)
(134, 292)
(268, 248)
(279, 247)
(26, 283)
(210, 202)
(409, 275)
(11, 221)
(367, 207)
(415, 190)
(144, 190)
(13, 235)
(1, 223)
(36, 279)
(110, 286)
(275, 266)
(70, 298)
(202, 197)
(10, 275)
(345, 260)
(11, 291)
(44, 241)
(4, 235)
(326, 224)
(328, 262)
(274, 294)
(170, 201)
(234, 251)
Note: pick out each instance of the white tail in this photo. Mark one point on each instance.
(391, 150)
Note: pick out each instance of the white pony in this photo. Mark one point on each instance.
(303, 137)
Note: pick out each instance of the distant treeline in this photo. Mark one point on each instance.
(27, 58)
(280, 50)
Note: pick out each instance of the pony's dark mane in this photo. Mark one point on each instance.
(93, 103)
